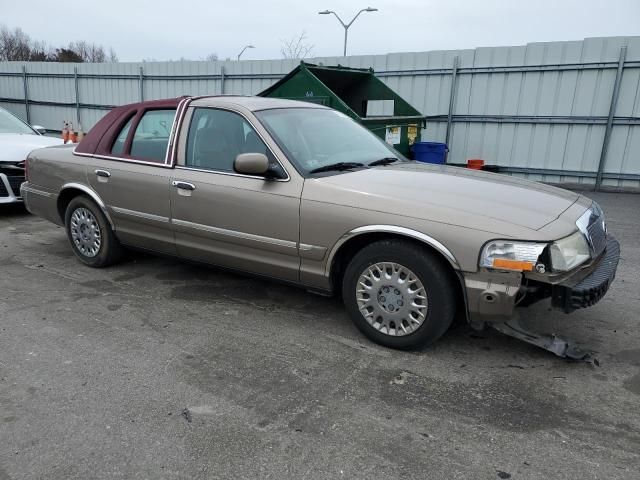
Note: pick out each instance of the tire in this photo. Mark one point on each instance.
(401, 313)
(89, 233)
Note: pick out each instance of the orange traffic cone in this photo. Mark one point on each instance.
(65, 132)
(72, 135)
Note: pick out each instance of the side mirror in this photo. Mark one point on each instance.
(40, 129)
(251, 164)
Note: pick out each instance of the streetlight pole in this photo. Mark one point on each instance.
(347, 25)
(242, 51)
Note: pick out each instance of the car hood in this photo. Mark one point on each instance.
(453, 195)
(15, 147)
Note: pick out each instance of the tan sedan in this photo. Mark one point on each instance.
(303, 194)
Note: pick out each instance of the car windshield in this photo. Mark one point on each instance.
(316, 138)
(11, 124)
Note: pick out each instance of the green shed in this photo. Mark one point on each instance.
(358, 93)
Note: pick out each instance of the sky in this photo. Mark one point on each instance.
(193, 29)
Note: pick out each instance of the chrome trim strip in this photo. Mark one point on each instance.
(583, 222)
(587, 223)
(231, 174)
(307, 247)
(93, 195)
(407, 232)
(312, 252)
(121, 159)
(135, 213)
(235, 234)
(25, 188)
(172, 147)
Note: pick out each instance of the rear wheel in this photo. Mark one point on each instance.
(399, 294)
(90, 235)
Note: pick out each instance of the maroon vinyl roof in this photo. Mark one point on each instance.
(101, 137)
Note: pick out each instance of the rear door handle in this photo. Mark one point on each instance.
(183, 185)
(102, 173)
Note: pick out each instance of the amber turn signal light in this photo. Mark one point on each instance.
(513, 264)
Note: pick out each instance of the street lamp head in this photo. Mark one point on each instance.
(347, 25)
(250, 46)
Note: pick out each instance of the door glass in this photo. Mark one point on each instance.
(152, 135)
(217, 137)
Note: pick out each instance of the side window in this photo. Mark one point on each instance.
(216, 137)
(118, 145)
(151, 138)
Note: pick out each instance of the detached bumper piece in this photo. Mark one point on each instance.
(590, 290)
(559, 346)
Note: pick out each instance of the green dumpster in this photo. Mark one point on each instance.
(357, 93)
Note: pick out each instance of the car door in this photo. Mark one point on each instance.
(238, 221)
(134, 181)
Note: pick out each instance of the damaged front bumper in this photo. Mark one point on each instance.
(493, 295)
(585, 292)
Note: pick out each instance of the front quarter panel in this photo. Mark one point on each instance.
(325, 225)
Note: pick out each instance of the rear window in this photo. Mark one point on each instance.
(151, 137)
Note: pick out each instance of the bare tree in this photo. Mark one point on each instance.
(112, 57)
(40, 52)
(212, 57)
(90, 52)
(15, 45)
(297, 47)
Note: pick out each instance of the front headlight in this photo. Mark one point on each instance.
(569, 252)
(510, 255)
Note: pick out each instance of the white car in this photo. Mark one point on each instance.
(17, 139)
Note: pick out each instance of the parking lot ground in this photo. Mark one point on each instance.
(159, 369)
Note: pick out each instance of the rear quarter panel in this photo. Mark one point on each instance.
(49, 170)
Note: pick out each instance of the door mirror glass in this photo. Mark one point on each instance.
(251, 164)
(40, 129)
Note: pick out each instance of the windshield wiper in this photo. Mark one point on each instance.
(338, 166)
(383, 161)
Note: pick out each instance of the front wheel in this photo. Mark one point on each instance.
(399, 294)
(90, 235)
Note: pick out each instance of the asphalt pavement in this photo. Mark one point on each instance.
(156, 369)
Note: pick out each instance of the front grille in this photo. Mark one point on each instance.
(14, 183)
(3, 189)
(597, 236)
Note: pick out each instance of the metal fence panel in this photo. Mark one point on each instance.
(540, 110)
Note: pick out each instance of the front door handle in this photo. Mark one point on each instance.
(183, 185)
(102, 173)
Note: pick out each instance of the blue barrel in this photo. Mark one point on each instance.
(429, 152)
